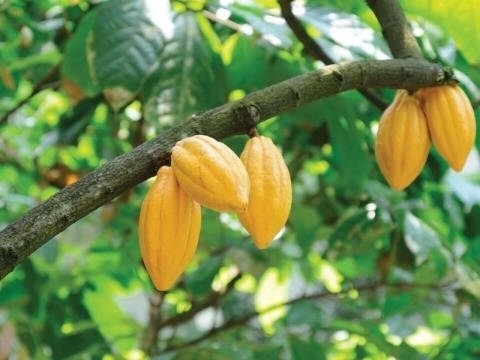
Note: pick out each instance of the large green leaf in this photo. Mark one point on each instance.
(249, 67)
(350, 152)
(459, 19)
(75, 64)
(344, 36)
(268, 25)
(419, 237)
(125, 43)
(189, 77)
(464, 188)
(305, 349)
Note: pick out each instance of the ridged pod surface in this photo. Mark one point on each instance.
(169, 228)
(270, 191)
(451, 122)
(211, 173)
(403, 141)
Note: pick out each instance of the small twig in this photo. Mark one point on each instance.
(309, 44)
(374, 286)
(211, 300)
(225, 22)
(150, 336)
(41, 85)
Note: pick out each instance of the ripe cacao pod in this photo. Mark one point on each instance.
(169, 228)
(403, 141)
(451, 122)
(211, 173)
(270, 190)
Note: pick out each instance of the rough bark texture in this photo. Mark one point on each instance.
(36, 227)
(395, 29)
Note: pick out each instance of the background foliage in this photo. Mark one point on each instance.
(361, 271)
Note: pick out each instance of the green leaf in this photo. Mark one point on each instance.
(465, 189)
(199, 282)
(72, 124)
(349, 229)
(218, 351)
(108, 314)
(125, 43)
(189, 77)
(420, 238)
(12, 291)
(75, 63)
(269, 26)
(248, 55)
(350, 153)
(272, 290)
(305, 224)
(344, 36)
(305, 349)
(441, 319)
(469, 279)
(397, 303)
(299, 314)
(51, 57)
(459, 19)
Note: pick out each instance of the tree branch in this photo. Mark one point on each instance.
(150, 335)
(22, 237)
(315, 50)
(395, 29)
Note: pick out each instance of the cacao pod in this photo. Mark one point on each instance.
(169, 228)
(211, 173)
(403, 141)
(270, 190)
(451, 122)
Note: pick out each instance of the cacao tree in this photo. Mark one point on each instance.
(94, 96)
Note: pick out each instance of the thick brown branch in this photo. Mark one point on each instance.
(22, 237)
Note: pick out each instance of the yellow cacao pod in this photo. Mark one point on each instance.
(403, 141)
(451, 122)
(270, 190)
(169, 228)
(211, 173)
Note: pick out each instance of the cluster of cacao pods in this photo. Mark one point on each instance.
(206, 172)
(440, 115)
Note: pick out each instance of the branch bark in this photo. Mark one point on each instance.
(22, 237)
(395, 29)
